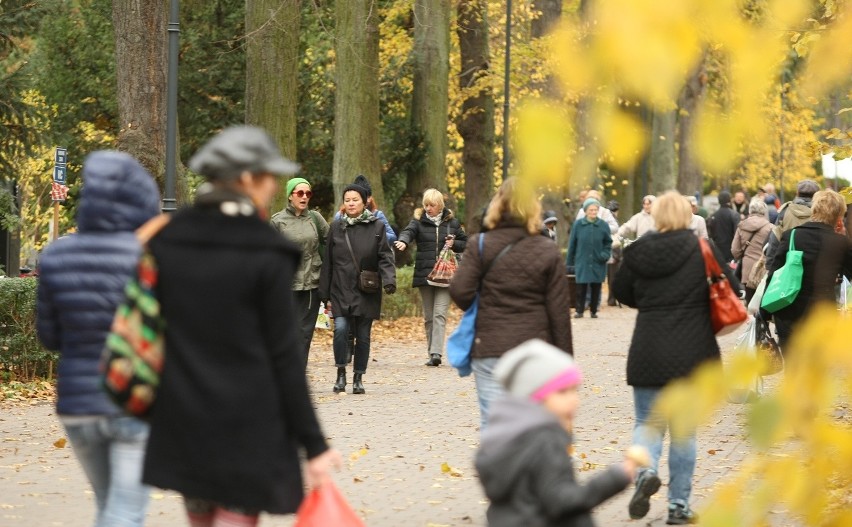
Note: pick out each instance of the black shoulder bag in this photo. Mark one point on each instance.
(368, 281)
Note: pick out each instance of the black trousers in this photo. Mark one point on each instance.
(595, 297)
(307, 308)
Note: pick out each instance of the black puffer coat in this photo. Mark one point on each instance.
(663, 276)
(339, 276)
(83, 276)
(430, 240)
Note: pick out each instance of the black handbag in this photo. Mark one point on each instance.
(368, 281)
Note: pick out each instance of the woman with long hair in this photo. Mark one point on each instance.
(356, 243)
(520, 278)
(233, 409)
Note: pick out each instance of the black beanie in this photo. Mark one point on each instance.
(357, 188)
(362, 181)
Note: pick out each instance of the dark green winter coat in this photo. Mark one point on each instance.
(589, 249)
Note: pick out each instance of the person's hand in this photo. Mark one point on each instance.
(399, 245)
(635, 458)
(630, 468)
(390, 289)
(318, 469)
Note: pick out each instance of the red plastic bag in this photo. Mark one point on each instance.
(324, 507)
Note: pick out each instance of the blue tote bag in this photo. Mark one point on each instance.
(460, 343)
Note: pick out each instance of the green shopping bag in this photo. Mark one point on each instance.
(786, 282)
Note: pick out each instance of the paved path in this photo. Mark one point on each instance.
(396, 439)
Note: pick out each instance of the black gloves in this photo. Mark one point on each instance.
(390, 289)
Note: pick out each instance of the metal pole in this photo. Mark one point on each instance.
(506, 90)
(169, 202)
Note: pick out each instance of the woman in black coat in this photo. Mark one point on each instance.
(431, 228)
(356, 242)
(826, 256)
(233, 406)
(663, 276)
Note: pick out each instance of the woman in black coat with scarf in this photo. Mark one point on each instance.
(233, 407)
(431, 228)
(356, 242)
(663, 276)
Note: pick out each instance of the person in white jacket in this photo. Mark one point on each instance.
(699, 224)
(640, 223)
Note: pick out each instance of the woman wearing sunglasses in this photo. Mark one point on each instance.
(307, 229)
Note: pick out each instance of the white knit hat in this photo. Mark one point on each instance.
(535, 369)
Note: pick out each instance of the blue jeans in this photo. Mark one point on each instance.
(111, 451)
(649, 432)
(361, 328)
(487, 387)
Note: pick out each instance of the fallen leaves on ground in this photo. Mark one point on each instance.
(29, 392)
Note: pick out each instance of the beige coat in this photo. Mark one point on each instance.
(752, 234)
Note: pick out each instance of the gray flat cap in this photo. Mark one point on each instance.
(238, 149)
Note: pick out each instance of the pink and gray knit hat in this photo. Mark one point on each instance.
(535, 369)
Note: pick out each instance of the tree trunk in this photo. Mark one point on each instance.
(690, 178)
(272, 73)
(430, 97)
(662, 152)
(356, 105)
(549, 15)
(141, 57)
(476, 121)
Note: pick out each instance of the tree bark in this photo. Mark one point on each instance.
(662, 152)
(550, 14)
(430, 97)
(141, 56)
(356, 105)
(272, 73)
(690, 179)
(476, 121)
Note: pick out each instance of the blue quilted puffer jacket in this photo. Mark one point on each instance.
(82, 276)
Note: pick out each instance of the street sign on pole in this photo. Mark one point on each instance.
(60, 174)
(58, 189)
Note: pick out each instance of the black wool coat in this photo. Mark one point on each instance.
(663, 276)
(430, 240)
(826, 255)
(339, 275)
(233, 407)
(721, 227)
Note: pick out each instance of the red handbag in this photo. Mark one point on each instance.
(727, 311)
(325, 506)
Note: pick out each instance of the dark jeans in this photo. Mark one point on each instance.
(595, 297)
(611, 269)
(361, 328)
(307, 308)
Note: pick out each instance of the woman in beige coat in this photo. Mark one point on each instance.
(749, 240)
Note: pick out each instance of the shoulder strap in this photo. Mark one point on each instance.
(351, 252)
(315, 221)
(150, 228)
(792, 245)
(490, 264)
(711, 266)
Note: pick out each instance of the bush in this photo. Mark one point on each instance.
(406, 301)
(21, 355)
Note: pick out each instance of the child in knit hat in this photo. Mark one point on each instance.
(524, 462)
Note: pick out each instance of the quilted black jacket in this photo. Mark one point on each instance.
(663, 276)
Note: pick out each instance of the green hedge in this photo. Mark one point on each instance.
(406, 301)
(21, 355)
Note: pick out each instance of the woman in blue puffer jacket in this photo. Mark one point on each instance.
(82, 282)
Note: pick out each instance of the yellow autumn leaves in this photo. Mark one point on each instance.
(625, 53)
(802, 458)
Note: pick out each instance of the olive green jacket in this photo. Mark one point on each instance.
(302, 230)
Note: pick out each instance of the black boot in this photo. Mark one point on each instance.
(357, 385)
(340, 385)
(434, 360)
